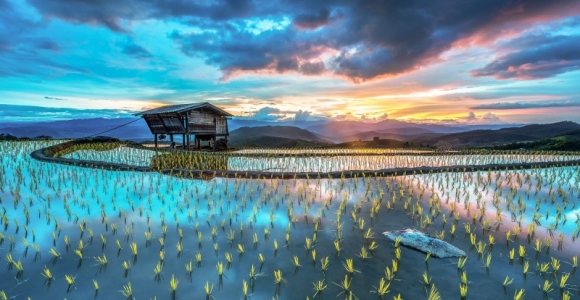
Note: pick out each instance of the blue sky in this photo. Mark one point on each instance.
(439, 61)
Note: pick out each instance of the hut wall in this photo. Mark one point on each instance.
(221, 125)
(202, 122)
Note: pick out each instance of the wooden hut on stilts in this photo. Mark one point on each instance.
(204, 121)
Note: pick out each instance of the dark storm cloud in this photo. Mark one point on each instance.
(541, 57)
(526, 105)
(114, 13)
(360, 40)
(312, 20)
(13, 28)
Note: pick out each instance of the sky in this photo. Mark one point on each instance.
(445, 61)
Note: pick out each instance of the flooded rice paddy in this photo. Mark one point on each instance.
(80, 233)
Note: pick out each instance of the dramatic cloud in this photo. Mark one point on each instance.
(360, 40)
(540, 57)
(524, 105)
(312, 20)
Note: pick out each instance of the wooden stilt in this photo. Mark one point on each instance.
(156, 140)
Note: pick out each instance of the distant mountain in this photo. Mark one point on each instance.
(406, 131)
(393, 134)
(289, 132)
(236, 123)
(80, 128)
(569, 141)
(335, 129)
(380, 143)
(480, 138)
(275, 142)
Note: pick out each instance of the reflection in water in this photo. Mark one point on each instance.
(518, 201)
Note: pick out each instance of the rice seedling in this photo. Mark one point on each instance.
(47, 274)
(133, 247)
(363, 253)
(127, 291)
(345, 286)
(512, 254)
(96, 285)
(566, 296)
(433, 294)
(126, 266)
(463, 291)
(398, 253)
(245, 289)
(296, 263)
(319, 286)
(173, 283)
(19, 268)
(70, 280)
(337, 247)
(55, 254)
(278, 277)
(349, 267)
(543, 268)
(555, 264)
(563, 280)
(427, 278)
(547, 287)
(79, 253)
(461, 262)
(157, 271)
(198, 259)
(487, 260)
(507, 281)
(522, 252)
(208, 291)
(220, 269)
(179, 247)
(189, 267)
(373, 246)
(102, 261)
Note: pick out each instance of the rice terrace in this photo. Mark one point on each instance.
(298, 232)
(250, 149)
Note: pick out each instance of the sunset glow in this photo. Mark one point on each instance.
(482, 62)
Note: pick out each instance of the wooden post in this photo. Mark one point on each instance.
(156, 141)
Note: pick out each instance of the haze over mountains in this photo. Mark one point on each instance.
(244, 132)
